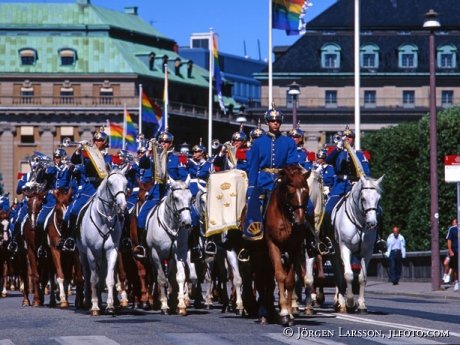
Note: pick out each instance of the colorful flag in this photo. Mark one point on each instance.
(289, 15)
(116, 136)
(152, 113)
(216, 74)
(131, 133)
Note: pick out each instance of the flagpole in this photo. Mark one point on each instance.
(140, 108)
(107, 125)
(270, 53)
(166, 96)
(211, 53)
(124, 128)
(357, 80)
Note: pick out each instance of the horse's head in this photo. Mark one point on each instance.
(115, 187)
(143, 190)
(370, 193)
(294, 191)
(34, 205)
(180, 199)
(63, 199)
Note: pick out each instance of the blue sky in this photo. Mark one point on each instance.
(235, 21)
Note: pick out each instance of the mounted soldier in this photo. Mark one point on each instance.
(304, 157)
(233, 156)
(326, 171)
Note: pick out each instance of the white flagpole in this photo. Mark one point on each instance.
(166, 97)
(270, 58)
(140, 108)
(211, 60)
(124, 128)
(107, 125)
(357, 80)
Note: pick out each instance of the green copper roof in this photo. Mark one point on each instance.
(49, 15)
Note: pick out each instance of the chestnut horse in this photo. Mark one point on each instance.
(286, 228)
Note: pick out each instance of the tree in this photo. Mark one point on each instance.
(402, 153)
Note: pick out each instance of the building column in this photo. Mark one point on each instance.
(7, 161)
(47, 139)
(311, 141)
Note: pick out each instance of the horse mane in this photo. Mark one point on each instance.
(374, 184)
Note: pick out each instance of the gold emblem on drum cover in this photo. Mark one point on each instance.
(225, 186)
(255, 228)
(213, 222)
(227, 204)
(219, 196)
(233, 194)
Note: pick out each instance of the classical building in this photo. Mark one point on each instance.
(394, 67)
(67, 69)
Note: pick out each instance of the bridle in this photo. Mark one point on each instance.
(350, 201)
(286, 201)
(175, 214)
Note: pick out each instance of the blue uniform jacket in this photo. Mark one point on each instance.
(270, 152)
(199, 173)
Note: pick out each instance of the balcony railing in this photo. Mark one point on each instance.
(195, 110)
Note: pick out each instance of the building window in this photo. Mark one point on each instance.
(369, 56)
(68, 57)
(331, 99)
(67, 95)
(369, 99)
(106, 95)
(408, 99)
(330, 56)
(447, 98)
(447, 56)
(408, 56)
(27, 135)
(28, 56)
(27, 95)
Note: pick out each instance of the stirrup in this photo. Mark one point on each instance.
(211, 248)
(59, 244)
(243, 255)
(126, 244)
(196, 254)
(41, 252)
(13, 247)
(140, 253)
(69, 245)
(323, 248)
(381, 246)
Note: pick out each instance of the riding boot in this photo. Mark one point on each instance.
(125, 244)
(69, 243)
(140, 252)
(61, 240)
(194, 243)
(13, 246)
(380, 245)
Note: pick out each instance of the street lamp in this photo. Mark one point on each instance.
(432, 23)
(241, 117)
(294, 91)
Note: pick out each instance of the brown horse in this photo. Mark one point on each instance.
(285, 230)
(41, 269)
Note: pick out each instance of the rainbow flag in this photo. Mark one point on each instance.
(152, 113)
(289, 15)
(217, 75)
(131, 134)
(116, 136)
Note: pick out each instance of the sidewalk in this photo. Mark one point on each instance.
(418, 289)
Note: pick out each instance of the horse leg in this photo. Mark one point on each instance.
(348, 275)
(290, 286)
(308, 281)
(180, 279)
(280, 275)
(112, 258)
(161, 280)
(320, 278)
(123, 279)
(362, 309)
(34, 277)
(208, 279)
(232, 259)
(56, 255)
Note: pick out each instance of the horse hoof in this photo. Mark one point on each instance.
(362, 311)
(239, 312)
(25, 303)
(207, 306)
(295, 310)
(36, 304)
(124, 304)
(188, 304)
(308, 311)
(164, 311)
(110, 311)
(136, 306)
(263, 321)
(146, 305)
(291, 322)
(64, 304)
(284, 320)
(53, 304)
(182, 311)
(320, 298)
(95, 313)
(12, 288)
(4, 294)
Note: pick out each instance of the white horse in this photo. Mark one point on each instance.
(167, 238)
(101, 229)
(355, 226)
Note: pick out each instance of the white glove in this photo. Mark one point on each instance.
(29, 184)
(340, 145)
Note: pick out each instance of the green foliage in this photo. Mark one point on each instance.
(402, 153)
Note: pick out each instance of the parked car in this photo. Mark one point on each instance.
(329, 272)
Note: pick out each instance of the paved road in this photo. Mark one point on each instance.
(393, 319)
